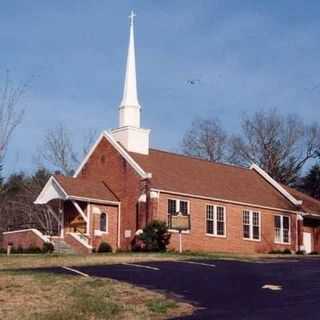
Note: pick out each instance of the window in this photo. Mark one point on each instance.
(176, 206)
(103, 222)
(172, 206)
(251, 225)
(215, 220)
(281, 229)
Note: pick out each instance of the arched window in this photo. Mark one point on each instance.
(103, 222)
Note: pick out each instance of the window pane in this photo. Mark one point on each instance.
(286, 235)
(246, 231)
(246, 217)
(285, 222)
(172, 206)
(220, 214)
(210, 212)
(277, 223)
(103, 222)
(256, 233)
(209, 226)
(184, 207)
(220, 228)
(277, 235)
(255, 218)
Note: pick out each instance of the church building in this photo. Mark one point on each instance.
(123, 183)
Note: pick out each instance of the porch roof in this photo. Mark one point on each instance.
(62, 187)
(309, 204)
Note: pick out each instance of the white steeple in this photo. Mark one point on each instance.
(130, 107)
(129, 133)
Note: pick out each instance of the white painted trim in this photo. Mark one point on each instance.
(92, 200)
(75, 236)
(119, 226)
(276, 185)
(251, 225)
(85, 218)
(51, 180)
(215, 221)
(223, 200)
(281, 229)
(35, 231)
(121, 150)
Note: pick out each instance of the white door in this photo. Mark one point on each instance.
(307, 242)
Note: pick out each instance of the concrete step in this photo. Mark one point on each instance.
(60, 246)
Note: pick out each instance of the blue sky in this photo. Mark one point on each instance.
(247, 55)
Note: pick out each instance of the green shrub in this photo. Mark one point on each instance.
(300, 252)
(47, 247)
(278, 251)
(286, 251)
(104, 247)
(155, 237)
(32, 249)
(314, 253)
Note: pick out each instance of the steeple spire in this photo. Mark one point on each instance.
(129, 134)
(130, 107)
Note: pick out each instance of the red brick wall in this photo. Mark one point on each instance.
(24, 239)
(197, 240)
(76, 245)
(108, 165)
(111, 235)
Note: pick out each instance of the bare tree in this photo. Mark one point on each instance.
(58, 149)
(205, 139)
(10, 115)
(17, 208)
(280, 145)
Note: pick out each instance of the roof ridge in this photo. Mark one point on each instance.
(200, 159)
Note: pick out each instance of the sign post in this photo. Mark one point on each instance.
(180, 222)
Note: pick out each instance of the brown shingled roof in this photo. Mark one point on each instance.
(183, 174)
(309, 204)
(84, 188)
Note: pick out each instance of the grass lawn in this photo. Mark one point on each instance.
(31, 295)
(60, 297)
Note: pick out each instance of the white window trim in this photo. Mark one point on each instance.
(251, 225)
(281, 230)
(214, 234)
(99, 232)
(177, 200)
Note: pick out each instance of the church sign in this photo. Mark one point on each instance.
(180, 222)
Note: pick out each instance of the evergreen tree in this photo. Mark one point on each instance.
(311, 182)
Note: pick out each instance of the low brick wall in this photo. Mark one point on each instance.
(23, 238)
(76, 245)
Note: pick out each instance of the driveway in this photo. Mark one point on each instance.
(221, 289)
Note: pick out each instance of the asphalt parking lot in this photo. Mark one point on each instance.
(221, 289)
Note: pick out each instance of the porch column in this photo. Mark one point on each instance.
(89, 219)
(299, 239)
(61, 211)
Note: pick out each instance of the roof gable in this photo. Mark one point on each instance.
(120, 149)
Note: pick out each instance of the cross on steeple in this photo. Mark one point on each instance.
(131, 17)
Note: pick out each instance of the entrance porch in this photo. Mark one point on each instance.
(87, 213)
